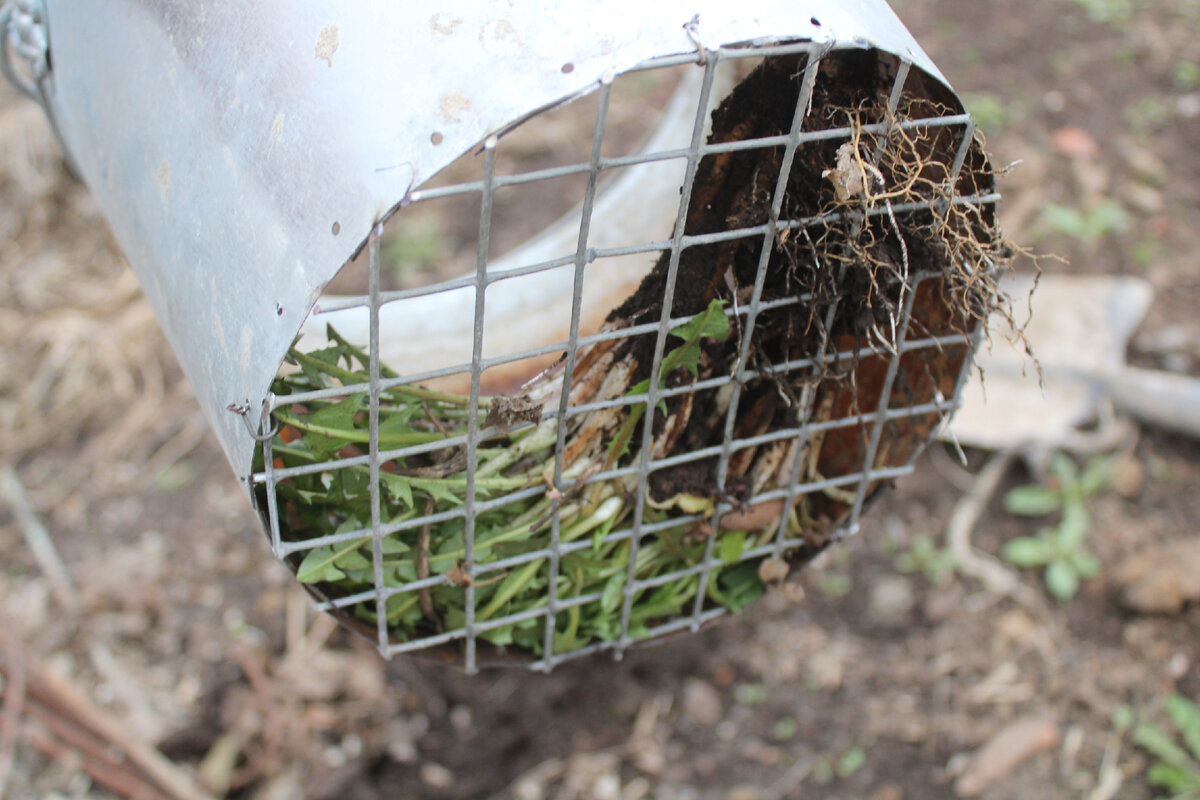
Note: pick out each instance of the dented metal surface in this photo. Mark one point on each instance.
(242, 152)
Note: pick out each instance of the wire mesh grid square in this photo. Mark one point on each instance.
(473, 571)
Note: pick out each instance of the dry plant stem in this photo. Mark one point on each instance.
(114, 778)
(951, 469)
(37, 538)
(995, 576)
(151, 762)
(217, 768)
(14, 700)
(303, 644)
(77, 737)
(56, 699)
(1109, 777)
(255, 671)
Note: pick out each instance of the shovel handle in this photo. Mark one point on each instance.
(1166, 399)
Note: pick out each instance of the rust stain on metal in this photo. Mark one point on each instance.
(327, 43)
(443, 24)
(451, 106)
(502, 30)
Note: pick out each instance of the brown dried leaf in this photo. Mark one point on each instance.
(1007, 748)
(515, 410)
(1162, 578)
(772, 571)
(1074, 142)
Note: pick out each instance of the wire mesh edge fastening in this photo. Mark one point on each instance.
(637, 527)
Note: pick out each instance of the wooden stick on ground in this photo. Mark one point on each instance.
(116, 778)
(69, 709)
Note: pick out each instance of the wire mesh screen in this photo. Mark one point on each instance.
(799, 329)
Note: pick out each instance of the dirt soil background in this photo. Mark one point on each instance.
(880, 684)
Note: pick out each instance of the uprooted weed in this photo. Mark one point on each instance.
(895, 206)
(890, 238)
